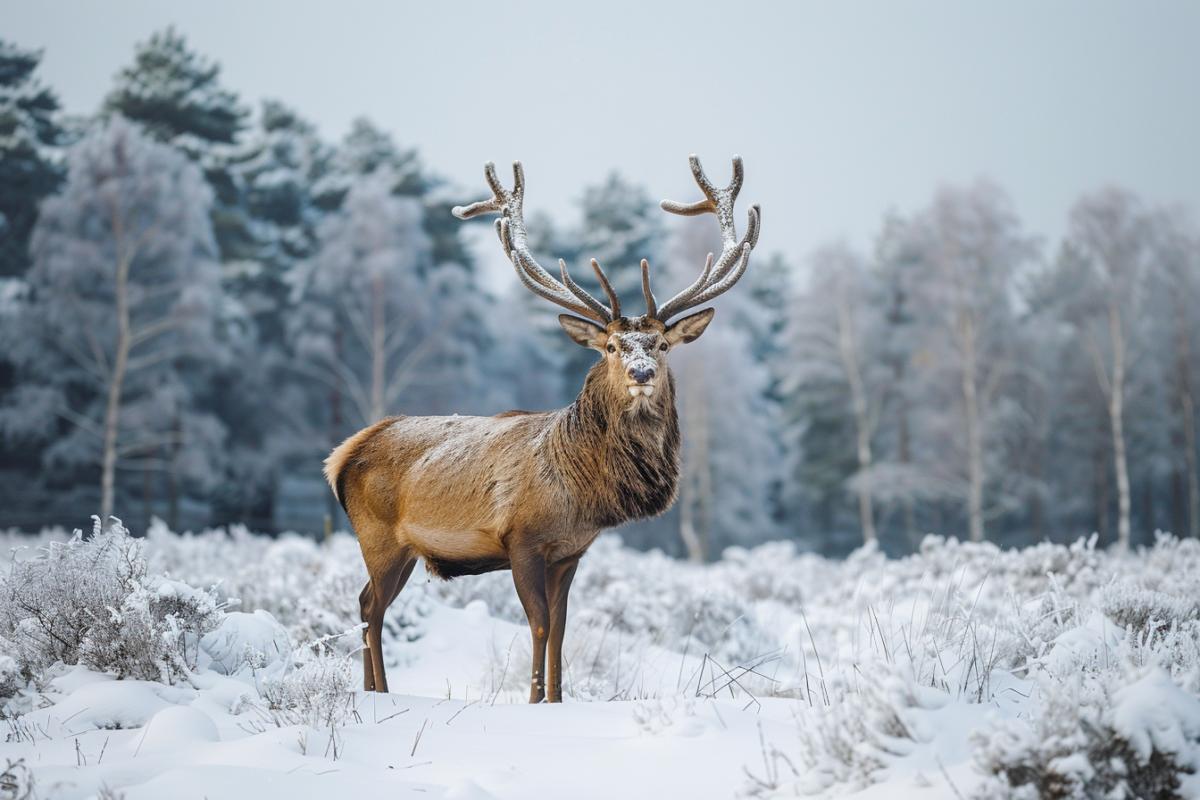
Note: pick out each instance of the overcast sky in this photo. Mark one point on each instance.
(841, 110)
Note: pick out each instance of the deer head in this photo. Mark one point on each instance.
(633, 349)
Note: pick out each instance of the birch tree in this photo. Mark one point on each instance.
(828, 337)
(732, 454)
(972, 247)
(1176, 252)
(368, 320)
(1108, 230)
(123, 289)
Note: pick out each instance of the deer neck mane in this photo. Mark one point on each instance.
(618, 462)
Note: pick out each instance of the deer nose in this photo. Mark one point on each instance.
(642, 374)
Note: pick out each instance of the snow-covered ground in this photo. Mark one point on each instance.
(225, 665)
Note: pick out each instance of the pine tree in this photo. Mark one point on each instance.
(29, 134)
(277, 171)
(176, 95)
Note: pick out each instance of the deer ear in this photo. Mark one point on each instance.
(584, 333)
(690, 327)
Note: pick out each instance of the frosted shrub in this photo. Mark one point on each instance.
(318, 692)
(1091, 740)
(91, 602)
(852, 739)
(1145, 610)
(154, 634)
(10, 677)
(49, 603)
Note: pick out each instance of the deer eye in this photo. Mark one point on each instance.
(611, 348)
(663, 347)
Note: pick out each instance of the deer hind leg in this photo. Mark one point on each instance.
(529, 575)
(365, 602)
(389, 562)
(558, 586)
(383, 592)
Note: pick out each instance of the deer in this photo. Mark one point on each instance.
(530, 491)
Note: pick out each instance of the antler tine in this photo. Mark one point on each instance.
(651, 303)
(735, 255)
(582, 293)
(680, 301)
(514, 239)
(613, 301)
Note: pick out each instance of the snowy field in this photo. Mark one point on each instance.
(225, 665)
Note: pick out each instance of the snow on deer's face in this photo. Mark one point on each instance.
(635, 349)
(637, 357)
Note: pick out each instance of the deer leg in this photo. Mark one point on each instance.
(558, 586)
(529, 575)
(383, 592)
(365, 599)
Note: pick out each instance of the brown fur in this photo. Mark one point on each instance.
(523, 490)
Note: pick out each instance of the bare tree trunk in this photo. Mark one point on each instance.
(378, 348)
(1100, 484)
(1187, 411)
(687, 527)
(1116, 412)
(693, 506)
(173, 473)
(848, 350)
(116, 379)
(905, 456)
(975, 475)
(1193, 480)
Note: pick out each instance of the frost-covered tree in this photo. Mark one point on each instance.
(122, 297)
(277, 170)
(1176, 256)
(729, 420)
(971, 248)
(833, 339)
(29, 136)
(176, 95)
(368, 319)
(903, 478)
(370, 152)
(1109, 235)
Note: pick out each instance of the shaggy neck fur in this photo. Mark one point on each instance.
(618, 458)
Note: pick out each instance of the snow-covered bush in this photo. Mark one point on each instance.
(49, 603)
(10, 677)
(852, 738)
(1146, 610)
(318, 692)
(1095, 739)
(253, 640)
(92, 602)
(154, 634)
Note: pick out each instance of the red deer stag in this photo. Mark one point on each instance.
(529, 491)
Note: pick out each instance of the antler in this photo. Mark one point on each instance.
(515, 241)
(735, 255)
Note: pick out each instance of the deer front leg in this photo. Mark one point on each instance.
(558, 586)
(529, 575)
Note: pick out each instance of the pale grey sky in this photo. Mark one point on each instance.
(841, 110)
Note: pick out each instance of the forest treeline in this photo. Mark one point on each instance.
(198, 299)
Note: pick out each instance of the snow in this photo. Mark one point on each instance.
(767, 674)
(1153, 713)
